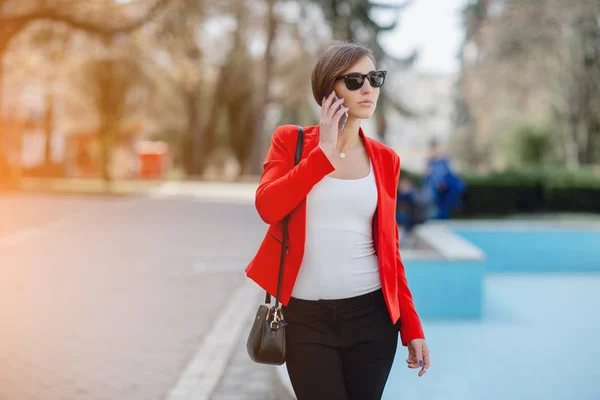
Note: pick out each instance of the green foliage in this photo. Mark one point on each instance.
(529, 190)
(531, 145)
(414, 177)
(548, 189)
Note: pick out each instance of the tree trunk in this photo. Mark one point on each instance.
(254, 163)
(209, 134)
(107, 135)
(10, 171)
(48, 128)
(582, 143)
(381, 124)
(9, 174)
(572, 159)
(4, 166)
(593, 140)
(194, 131)
(5, 172)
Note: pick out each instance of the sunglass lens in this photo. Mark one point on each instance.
(354, 82)
(376, 79)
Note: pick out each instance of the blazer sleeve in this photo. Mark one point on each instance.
(410, 323)
(282, 185)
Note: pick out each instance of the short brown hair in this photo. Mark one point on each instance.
(332, 63)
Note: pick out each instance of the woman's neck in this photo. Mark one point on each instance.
(349, 137)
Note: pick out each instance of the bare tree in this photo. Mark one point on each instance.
(113, 85)
(530, 57)
(232, 103)
(102, 18)
(177, 37)
(254, 163)
(49, 41)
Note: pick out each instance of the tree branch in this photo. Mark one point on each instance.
(7, 32)
(106, 31)
(391, 6)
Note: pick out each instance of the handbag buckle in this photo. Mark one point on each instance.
(277, 316)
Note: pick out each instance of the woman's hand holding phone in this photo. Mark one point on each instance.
(331, 113)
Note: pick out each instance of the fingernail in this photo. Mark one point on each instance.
(421, 363)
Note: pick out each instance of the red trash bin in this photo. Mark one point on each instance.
(154, 159)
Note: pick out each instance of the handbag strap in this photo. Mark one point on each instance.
(298, 156)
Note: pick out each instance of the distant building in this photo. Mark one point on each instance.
(431, 97)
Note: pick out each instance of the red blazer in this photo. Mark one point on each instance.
(283, 189)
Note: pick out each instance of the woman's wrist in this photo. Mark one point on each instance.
(327, 148)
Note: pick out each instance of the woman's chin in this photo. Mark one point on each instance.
(363, 114)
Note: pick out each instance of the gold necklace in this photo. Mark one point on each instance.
(343, 152)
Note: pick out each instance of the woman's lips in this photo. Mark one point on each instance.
(365, 103)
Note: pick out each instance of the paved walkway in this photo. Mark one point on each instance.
(112, 298)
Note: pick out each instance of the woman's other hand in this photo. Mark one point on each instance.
(418, 355)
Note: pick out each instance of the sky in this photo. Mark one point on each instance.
(432, 26)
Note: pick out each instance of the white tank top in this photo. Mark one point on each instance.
(339, 256)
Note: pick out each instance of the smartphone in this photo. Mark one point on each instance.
(343, 119)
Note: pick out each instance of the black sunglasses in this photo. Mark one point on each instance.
(355, 81)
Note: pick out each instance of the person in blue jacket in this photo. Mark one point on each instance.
(444, 186)
(407, 207)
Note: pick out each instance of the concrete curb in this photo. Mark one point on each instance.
(205, 369)
(447, 244)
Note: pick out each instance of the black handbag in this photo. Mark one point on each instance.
(266, 341)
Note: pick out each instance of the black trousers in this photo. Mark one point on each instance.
(340, 349)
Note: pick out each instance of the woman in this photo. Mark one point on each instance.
(344, 290)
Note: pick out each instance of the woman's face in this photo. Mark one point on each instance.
(362, 102)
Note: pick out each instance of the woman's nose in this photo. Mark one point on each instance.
(366, 87)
